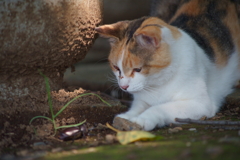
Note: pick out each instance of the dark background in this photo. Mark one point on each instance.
(93, 72)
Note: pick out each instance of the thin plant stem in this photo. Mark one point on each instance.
(65, 106)
(62, 109)
(39, 117)
(188, 120)
(48, 94)
(74, 125)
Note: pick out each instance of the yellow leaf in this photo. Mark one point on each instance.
(125, 137)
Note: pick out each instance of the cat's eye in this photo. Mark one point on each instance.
(116, 67)
(137, 69)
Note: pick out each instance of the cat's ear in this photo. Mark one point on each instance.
(149, 36)
(112, 31)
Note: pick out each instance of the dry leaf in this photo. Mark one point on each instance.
(125, 137)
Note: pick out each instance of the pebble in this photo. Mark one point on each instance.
(192, 129)
(188, 144)
(221, 130)
(7, 157)
(219, 114)
(203, 118)
(93, 144)
(124, 124)
(54, 150)
(175, 130)
(22, 153)
(39, 144)
(214, 150)
(100, 126)
(109, 138)
(178, 128)
(229, 140)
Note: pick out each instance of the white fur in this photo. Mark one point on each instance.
(190, 87)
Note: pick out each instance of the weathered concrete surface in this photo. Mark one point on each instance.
(50, 35)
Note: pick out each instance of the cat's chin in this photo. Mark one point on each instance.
(131, 91)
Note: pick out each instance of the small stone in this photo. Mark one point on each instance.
(74, 151)
(214, 150)
(188, 144)
(22, 126)
(124, 124)
(93, 144)
(7, 157)
(172, 130)
(101, 126)
(6, 124)
(39, 144)
(22, 153)
(178, 128)
(109, 138)
(9, 134)
(192, 129)
(203, 118)
(54, 150)
(70, 120)
(229, 140)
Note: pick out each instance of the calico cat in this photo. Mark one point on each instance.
(183, 68)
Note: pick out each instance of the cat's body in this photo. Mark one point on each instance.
(183, 69)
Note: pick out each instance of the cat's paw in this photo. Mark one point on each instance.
(124, 116)
(124, 124)
(148, 122)
(145, 123)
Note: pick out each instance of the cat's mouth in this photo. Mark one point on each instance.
(132, 89)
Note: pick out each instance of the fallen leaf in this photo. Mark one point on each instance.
(125, 137)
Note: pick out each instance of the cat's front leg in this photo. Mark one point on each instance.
(137, 107)
(165, 114)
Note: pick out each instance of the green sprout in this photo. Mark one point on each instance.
(53, 116)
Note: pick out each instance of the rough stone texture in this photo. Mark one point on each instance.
(97, 76)
(49, 35)
(125, 125)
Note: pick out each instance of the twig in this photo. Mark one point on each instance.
(224, 127)
(188, 120)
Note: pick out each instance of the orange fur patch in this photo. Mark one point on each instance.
(233, 23)
(152, 60)
(191, 8)
(160, 60)
(153, 20)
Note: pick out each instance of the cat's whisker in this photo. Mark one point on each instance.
(156, 61)
(102, 60)
(150, 91)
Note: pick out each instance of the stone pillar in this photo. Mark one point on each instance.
(50, 35)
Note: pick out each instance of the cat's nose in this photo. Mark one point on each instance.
(124, 87)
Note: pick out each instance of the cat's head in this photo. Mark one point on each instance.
(139, 49)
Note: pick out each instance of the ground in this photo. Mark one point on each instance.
(18, 140)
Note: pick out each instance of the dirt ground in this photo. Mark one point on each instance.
(19, 141)
(16, 133)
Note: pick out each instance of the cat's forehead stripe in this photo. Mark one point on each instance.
(154, 21)
(133, 26)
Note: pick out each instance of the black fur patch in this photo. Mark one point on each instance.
(209, 23)
(182, 22)
(133, 26)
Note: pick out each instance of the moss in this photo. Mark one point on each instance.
(202, 144)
